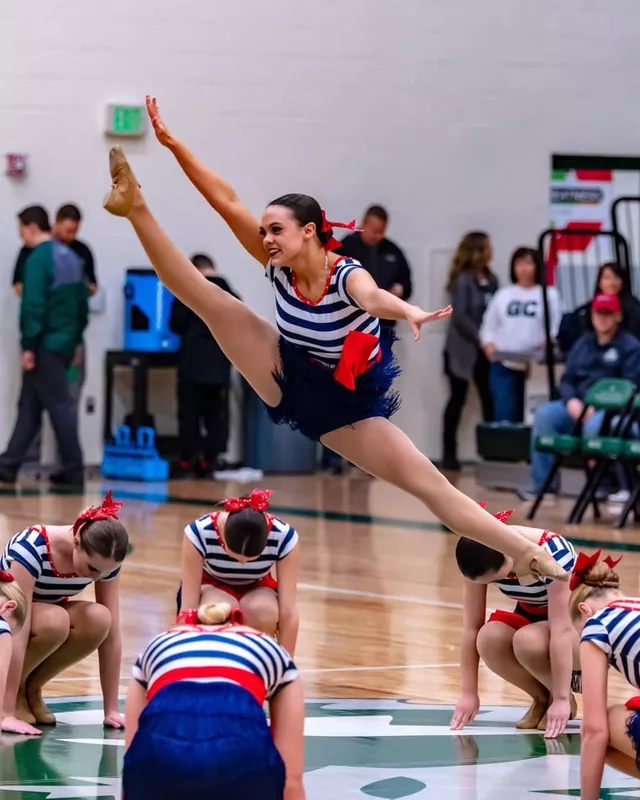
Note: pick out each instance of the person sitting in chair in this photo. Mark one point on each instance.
(605, 352)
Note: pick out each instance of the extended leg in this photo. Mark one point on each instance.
(381, 449)
(248, 341)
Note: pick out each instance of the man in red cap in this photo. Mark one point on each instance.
(605, 352)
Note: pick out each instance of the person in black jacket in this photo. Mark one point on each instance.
(204, 373)
(382, 258)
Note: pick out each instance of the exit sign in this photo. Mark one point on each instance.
(126, 120)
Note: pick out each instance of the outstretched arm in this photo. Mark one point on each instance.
(561, 656)
(595, 723)
(474, 609)
(380, 303)
(215, 190)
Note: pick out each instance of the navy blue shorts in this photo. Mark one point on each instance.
(314, 403)
(203, 740)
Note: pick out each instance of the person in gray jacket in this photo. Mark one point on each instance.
(471, 285)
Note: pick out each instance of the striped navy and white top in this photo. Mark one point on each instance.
(531, 590)
(321, 327)
(204, 535)
(228, 654)
(615, 629)
(32, 550)
(4, 627)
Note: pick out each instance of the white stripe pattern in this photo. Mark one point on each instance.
(616, 631)
(4, 627)
(252, 653)
(203, 534)
(30, 548)
(321, 328)
(532, 591)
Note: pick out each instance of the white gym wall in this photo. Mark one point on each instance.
(445, 111)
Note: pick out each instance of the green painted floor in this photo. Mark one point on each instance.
(354, 749)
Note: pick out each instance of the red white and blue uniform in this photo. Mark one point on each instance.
(529, 591)
(204, 535)
(337, 365)
(4, 627)
(204, 732)
(225, 572)
(31, 549)
(615, 630)
(251, 660)
(322, 327)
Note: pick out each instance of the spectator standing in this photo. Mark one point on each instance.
(611, 279)
(382, 258)
(65, 230)
(53, 316)
(608, 351)
(471, 285)
(514, 323)
(204, 375)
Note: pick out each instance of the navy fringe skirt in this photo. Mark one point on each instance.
(203, 740)
(314, 403)
(633, 732)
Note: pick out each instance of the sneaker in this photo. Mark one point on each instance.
(6, 476)
(451, 464)
(63, 478)
(621, 496)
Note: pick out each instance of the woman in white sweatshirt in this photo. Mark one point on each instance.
(514, 323)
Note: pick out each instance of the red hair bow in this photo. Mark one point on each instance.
(583, 563)
(327, 227)
(501, 516)
(187, 617)
(258, 500)
(611, 563)
(237, 616)
(109, 508)
(6, 577)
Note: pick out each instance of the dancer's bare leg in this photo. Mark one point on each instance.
(384, 451)
(248, 340)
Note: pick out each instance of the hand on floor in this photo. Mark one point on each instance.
(13, 725)
(465, 711)
(558, 715)
(114, 719)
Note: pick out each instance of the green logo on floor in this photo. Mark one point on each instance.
(354, 749)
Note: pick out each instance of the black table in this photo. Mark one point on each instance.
(140, 362)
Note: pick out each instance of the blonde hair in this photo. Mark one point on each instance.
(11, 590)
(214, 613)
(470, 256)
(595, 581)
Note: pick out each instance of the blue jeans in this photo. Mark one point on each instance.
(550, 418)
(507, 391)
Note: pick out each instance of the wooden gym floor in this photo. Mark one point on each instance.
(380, 609)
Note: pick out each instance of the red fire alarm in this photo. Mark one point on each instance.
(16, 165)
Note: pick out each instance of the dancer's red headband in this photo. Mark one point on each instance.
(327, 227)
(585, 562)
(502, 516)
(109, 508)
(258, 500)
(6, 577)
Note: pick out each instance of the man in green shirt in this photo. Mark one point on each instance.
(53, 316)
